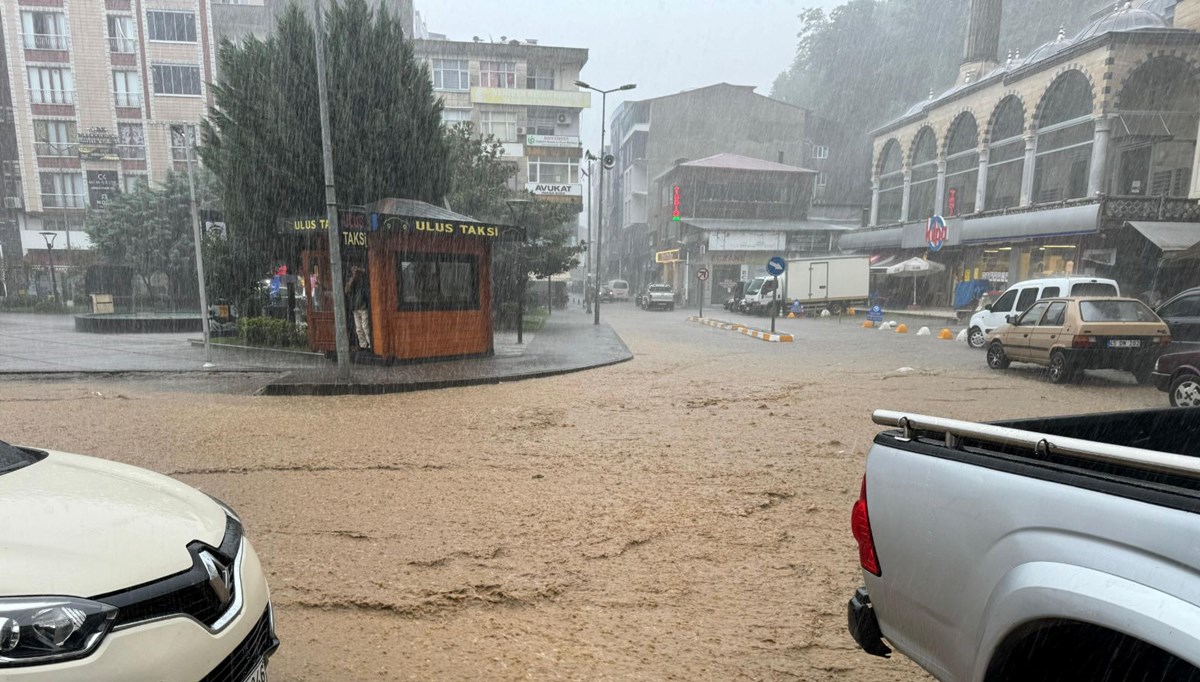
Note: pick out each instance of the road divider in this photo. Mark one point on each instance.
(743, 329)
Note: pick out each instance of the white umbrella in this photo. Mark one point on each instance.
(916, 267)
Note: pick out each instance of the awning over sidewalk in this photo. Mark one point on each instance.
(860, 240)
(1169, 237)
(738, 225)
(1054, 222)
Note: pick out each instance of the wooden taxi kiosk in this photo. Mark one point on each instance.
(430, 273)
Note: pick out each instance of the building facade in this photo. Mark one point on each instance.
(1078, 158)
(524, 95)
(105, 96)
(650, 137)
(731, 214)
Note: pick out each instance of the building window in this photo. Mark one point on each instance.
(44, 30)
(55, 138)
(131, 141)
(176, 79)
(171, 27)
(183, 139)
(499, 124)
(127, 88)
(552, 171)
(498, 74)
(50, 85)
(542, 123)
(122, 35)
(133, 183)
(540, 78)
(437, 281)
(820, 151)
(452, 117)
(63, 223)
(62, 190)
(822, 179)
(450, 74)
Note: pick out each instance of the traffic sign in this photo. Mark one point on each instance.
(875, 314)
(702, 274)
(776, 266)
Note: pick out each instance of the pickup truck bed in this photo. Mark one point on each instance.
(1056, 548)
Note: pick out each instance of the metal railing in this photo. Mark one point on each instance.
(134, 152)
(56, 148)
(122, 45)
(42, 96)
(63, 201)
(46, 41)
(127, 99)
(953, 431)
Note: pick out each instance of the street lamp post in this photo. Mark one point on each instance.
(49, 237)
(600, 204)
(587, 268)
(523, 271)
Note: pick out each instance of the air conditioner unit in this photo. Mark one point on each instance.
(12, 202)
(563, 119)
(520, 130)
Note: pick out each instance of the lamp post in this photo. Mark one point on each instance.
(49, 237)
(587, 268)
(600, 205)
(519, 223)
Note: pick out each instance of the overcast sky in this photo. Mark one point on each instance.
(663, 47)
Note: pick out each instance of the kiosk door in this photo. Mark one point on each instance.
(318, 286)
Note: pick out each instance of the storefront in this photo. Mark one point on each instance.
(430, 278)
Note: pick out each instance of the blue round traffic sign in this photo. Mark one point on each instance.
(776, 266)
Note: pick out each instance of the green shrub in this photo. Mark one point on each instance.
(269, 331)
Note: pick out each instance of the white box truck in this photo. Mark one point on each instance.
(831, 282)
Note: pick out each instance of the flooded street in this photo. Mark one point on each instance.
(681, 516)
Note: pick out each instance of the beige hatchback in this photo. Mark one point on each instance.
(1069, 335)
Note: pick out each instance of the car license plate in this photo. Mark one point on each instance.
(259, 674)
(1125, 343)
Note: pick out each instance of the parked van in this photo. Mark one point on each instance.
(620, 289)
(1020, 296)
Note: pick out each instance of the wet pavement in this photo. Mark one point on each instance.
(684, 515)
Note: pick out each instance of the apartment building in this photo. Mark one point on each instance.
(105, 95)
(524, 95)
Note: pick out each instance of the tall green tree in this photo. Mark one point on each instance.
(263, 135)
(150, 230)
(479, 179)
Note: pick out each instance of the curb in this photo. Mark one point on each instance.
(743, 329)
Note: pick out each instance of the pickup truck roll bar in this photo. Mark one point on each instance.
(954, 431)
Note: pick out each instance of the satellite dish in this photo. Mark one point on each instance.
(609, 161)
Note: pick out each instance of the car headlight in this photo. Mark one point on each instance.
(37, 630)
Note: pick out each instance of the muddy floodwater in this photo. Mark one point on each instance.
(681, 516)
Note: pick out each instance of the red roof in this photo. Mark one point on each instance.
(739, 162)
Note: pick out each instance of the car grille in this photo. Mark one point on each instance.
(260, 642)
(188, 593)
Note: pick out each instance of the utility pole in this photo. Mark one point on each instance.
(208, 363)
(341, 336)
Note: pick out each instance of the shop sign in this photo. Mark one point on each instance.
(349, 220)
(671, 256)
(951, 201)
(936, 233)
(565, 190)
(428, 226)
(97, 144)
(675, 203)
(996, 276)
(102, 187)
(552, 140)
(747, 241)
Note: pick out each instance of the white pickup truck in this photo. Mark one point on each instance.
(1064, 548)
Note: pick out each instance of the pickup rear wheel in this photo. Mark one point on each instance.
(996, 357)
(1061, 369)
(1185, 391)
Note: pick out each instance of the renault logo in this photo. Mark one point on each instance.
(220, 577)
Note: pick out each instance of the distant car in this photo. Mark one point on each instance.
(1178, 375)
(659, 296)
(620, 289)
(1069, 335)
(1182, 315)
(112, 572)
(1021, 295)
(606, 295)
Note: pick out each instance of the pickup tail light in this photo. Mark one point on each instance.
(1082, 341)
(860, 524)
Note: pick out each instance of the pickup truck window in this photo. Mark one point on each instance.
(660, 288)
(1005, 303)
(1116, 311)
(1028, 296)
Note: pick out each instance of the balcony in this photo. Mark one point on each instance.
(64, 201)
(56, 149)
(635, 128)
(132, 152)
(122, 45)
(45, 41)
(565, 99)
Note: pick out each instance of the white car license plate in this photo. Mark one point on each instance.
(1125, 343)
(259, 674)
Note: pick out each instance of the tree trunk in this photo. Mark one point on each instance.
(549, 296)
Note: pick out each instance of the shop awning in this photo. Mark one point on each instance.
(1169, 237)
(716, 225)
(858, 240)
(1054, 222)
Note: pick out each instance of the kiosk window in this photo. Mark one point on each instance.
(437, 281)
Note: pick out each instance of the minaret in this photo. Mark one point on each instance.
(981, 52)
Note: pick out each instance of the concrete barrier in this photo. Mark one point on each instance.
(945, 335)
(743, 329)
(923, 331)
(902, 329)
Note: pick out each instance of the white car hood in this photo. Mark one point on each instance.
(82, 526)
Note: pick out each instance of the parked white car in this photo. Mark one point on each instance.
(1019, 297)
(111, 572)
